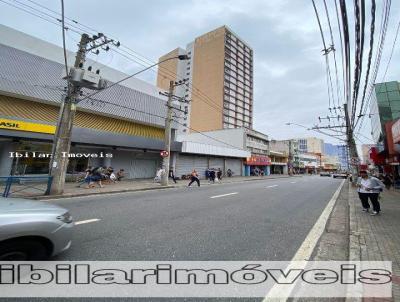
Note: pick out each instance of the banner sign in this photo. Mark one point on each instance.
(26, 126)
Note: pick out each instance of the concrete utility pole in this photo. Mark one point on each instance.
(62, 139)
(351, 142)
(77, 78)
(168, 123)
(290, 159)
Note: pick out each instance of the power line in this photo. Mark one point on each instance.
(334, 53)
(371, 46)
(201, 95)
(326, 51)
(384, 23)
(341, 49)
(36, 15)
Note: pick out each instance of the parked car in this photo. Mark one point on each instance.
(33, 230)
(325, 173)
(340, 174)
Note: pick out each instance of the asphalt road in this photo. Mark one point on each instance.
(253, 220)
(260, 220)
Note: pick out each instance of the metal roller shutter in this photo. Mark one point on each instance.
(216, 162)
(201, 165)
(186, 163)
(143, 168)
(235, 165)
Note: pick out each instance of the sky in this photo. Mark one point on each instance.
(289, 70)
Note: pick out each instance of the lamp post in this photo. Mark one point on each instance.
(168, 124)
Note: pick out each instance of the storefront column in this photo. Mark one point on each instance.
(5, 160)
(285, 170)
(267, 170)
(246, 170)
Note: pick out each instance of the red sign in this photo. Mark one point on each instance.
(396, 132)
(164, 153)
(258, 161)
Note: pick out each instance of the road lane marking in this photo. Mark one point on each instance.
(306, 249)
(223, 195)
(87, 221)
(293, 182)
(273, 186)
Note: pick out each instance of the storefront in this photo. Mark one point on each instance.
(202, 156)
(125, 120)
(255, 165)
(26, 142)
(185, 163)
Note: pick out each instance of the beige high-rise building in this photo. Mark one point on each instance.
(311, 145)
(220, 77)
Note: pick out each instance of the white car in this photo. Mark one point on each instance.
(325, 173)
(340, 175)
(33, 230)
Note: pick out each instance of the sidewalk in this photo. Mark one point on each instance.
(72, 189)
(377, 237)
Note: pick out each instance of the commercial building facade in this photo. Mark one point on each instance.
(115, 128)
(221, 149)
(252, 145)
(123, 132)
(220, 73)
(385, 113)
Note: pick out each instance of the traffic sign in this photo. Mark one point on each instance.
(164, 153)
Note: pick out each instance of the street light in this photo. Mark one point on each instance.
(288, 124)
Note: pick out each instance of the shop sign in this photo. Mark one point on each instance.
(258, 161)
(396, 132)
(26, 126)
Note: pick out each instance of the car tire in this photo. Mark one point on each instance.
(23, 250)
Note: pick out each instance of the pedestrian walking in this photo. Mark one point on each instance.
(369, 187)
(388, 181)
(212, 175)
(172, 175)
(219, 174)
(194, 177)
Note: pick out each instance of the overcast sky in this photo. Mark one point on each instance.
(289, 70)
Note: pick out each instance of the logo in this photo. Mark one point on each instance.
(9, 125)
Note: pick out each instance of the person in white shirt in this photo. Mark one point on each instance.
(369, 187)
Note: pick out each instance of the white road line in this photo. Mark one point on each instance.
(87, 221)
(217, 196)
(306, 249)
(273, 186)
(293, 182)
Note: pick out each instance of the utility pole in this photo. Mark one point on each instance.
(62, 140)
(351, 143)
(76, 80)
(168, 123)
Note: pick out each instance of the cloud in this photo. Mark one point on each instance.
(289, 70)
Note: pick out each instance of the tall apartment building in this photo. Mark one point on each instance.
(220, 74)
(311, 145)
